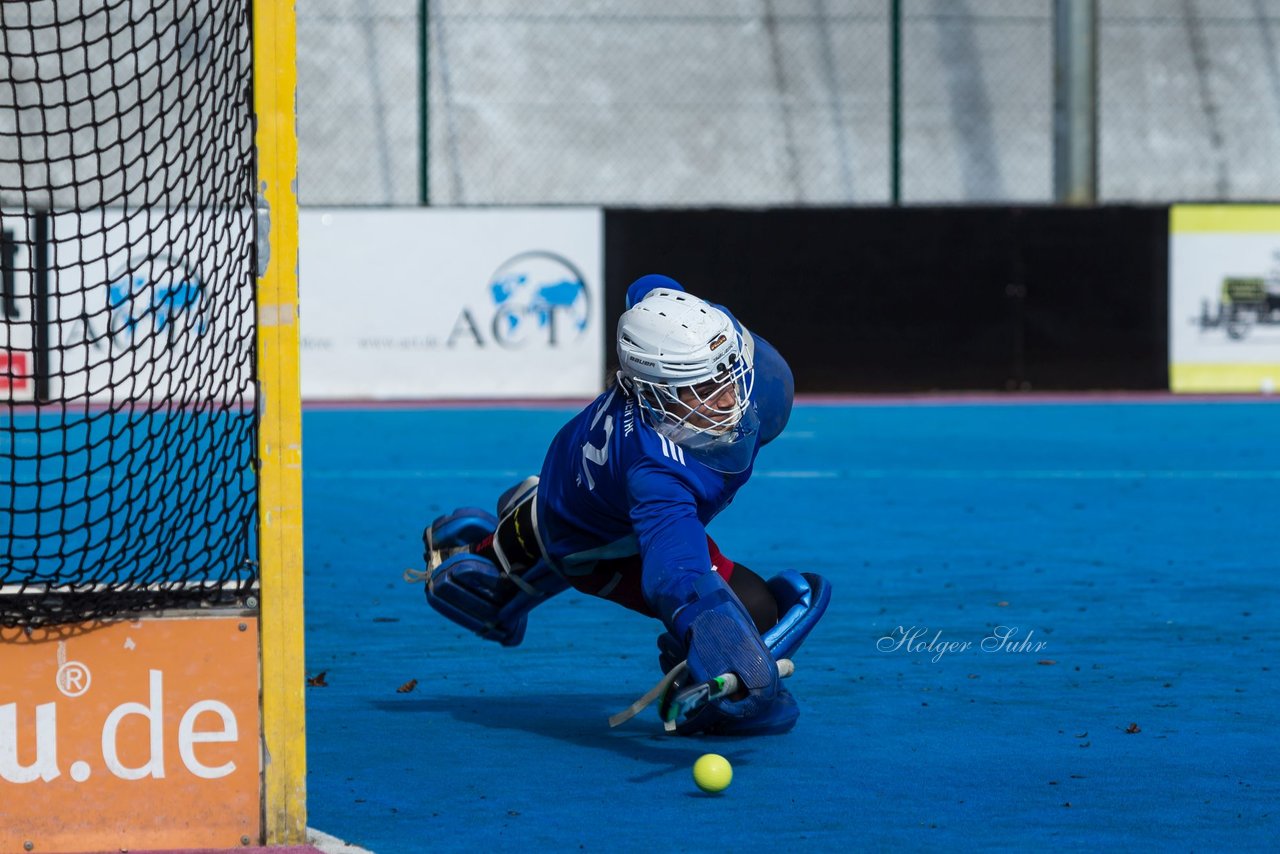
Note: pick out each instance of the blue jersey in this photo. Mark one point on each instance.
(611, 486)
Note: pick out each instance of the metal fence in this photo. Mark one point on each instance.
(121, 104)
(773, 102)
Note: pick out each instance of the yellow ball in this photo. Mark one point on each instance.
(712, 772)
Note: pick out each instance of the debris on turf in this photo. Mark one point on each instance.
(1132, 728)
(407, 687)
(317, 681)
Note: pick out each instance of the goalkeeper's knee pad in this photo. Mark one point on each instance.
(517, 494)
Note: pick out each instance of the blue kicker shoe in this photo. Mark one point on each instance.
(454, 532)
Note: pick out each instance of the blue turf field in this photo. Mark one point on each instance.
(89, 496)
(1138, 541)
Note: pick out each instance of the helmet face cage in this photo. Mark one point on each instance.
(714, 406)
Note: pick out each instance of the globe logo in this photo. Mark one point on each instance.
(540, 296)
(156, 294)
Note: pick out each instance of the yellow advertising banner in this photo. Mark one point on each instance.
(130, 735)
(1224, 298)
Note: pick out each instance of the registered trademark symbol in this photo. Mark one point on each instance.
(73, 678)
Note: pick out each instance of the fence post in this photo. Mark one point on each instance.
(1075, 101)
(895, 101)
(424, 103)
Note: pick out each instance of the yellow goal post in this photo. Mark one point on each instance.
(280, 423)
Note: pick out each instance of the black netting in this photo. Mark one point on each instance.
(127, 426)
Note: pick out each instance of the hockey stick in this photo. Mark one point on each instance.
(693, 698)
(661, 688)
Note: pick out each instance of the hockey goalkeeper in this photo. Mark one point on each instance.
(621, 507)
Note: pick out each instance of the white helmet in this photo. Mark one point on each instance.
(689, 367)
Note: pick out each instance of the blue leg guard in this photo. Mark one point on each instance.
(474, 593)
(802, 600)
(492, 599)
(462, 527)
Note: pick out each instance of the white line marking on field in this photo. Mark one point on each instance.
(332, 844)
(1030, 474)
(401, 474)
(851, 474)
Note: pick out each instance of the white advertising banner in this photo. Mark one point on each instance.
(151, 305)
(17, 308)
(443, 304)
(1224, 298)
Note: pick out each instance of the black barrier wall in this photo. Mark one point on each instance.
(921, 299)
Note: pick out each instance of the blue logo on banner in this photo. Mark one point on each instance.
(160, 293)
(538, 297)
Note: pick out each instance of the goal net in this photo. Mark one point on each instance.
(128, 245)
